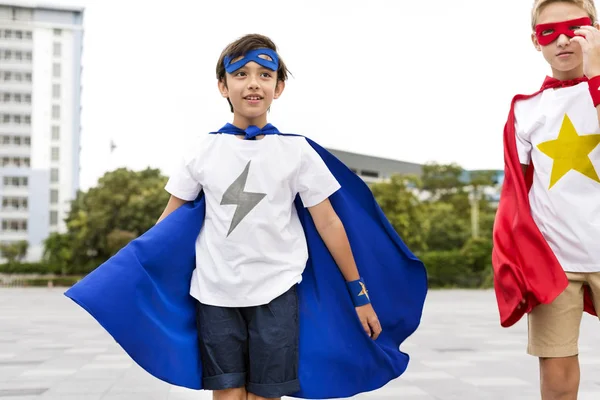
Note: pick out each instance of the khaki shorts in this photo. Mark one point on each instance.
(554, 327)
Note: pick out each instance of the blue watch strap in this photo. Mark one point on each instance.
(358, 292)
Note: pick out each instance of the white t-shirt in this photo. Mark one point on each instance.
(566, 205)
(249, 254)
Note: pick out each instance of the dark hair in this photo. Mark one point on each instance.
(243, 45)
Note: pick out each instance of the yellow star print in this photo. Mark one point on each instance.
(364, 290)
(570, 152)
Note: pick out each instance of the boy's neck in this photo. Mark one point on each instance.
(244, 122)
(568, 75)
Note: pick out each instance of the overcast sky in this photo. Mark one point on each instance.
(404, 79)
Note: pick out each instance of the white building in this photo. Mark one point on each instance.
(40, 106)
(376, 169)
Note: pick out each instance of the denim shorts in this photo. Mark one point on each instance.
(252, 347)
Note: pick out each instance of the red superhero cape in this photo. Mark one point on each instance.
(524, 265)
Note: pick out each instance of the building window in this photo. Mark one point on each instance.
(22, 14)
(53, 218)
(54, 196)
(56, 91)
(15, 181)
(14, 203)
(56, 49)
(54, 175)
(55, 154)
(56, 70)
(55, 132)
(14, 225)
(369, 174)
(56, 111)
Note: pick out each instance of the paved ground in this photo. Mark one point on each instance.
(52, 350)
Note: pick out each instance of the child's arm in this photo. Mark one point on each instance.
(173, 204)
(331, 230)
(588, 38)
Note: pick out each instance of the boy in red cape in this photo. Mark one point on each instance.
(546, 253)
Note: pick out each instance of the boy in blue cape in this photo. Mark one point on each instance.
(271, 272)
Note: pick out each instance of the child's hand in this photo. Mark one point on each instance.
(590, 46)
(369, 320)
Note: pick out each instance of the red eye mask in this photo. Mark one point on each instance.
(548, 33)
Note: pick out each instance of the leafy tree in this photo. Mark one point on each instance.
(122, 206)
(403, 209)
(14, 252)
(58, 253)
(447, 227)
(442, 179)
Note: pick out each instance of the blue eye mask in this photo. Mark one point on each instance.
(253, 55)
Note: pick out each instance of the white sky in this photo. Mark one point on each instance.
(412, 80)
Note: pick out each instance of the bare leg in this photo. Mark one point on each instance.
(230, 394)
(252, 396)
(559, 378)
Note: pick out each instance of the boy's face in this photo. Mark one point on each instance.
(251, 90)
(565, 57)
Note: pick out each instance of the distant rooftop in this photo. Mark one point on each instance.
(40, 5)
(367, 165)
(374, 158)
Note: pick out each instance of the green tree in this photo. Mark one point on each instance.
(483, 178)
(447, 227)
(399, 202)
(118, 239)
(480, 207)
(122, 206)
(14, 252)
(469, 214)
(479, 253)
(58, 253)
(442, 179)
(436, 214)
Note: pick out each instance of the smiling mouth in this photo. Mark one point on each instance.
(253, 97)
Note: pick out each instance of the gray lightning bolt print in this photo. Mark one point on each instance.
(245, 201)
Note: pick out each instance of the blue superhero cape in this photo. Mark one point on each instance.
(141, 297)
